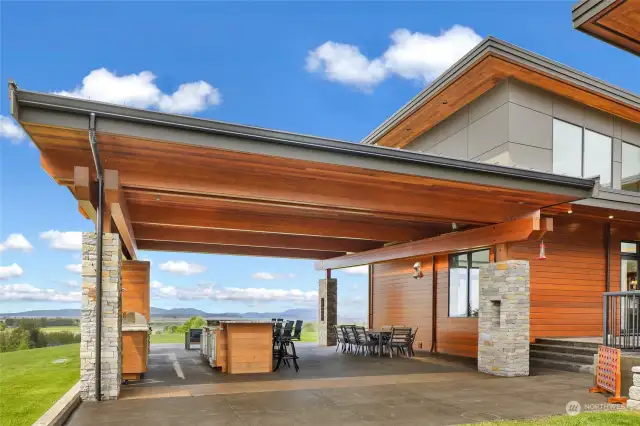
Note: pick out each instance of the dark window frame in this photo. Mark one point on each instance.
(469, 268)
(582, 141)
(629, 256)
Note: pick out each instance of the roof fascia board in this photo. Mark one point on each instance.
(585, 10)
(517, 55)
(73, 113)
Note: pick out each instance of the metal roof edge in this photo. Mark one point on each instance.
(516, 54)
(21, 98)
(584, 10)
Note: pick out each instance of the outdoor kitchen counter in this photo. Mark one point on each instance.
(244, 346)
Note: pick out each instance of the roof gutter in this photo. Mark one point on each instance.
(27, 100)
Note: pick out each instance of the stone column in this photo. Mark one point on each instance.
(111, 354)
(503, 322)
(633, 403)
(327, 311)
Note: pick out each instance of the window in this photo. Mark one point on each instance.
(464, 282)
(630, 258)
(581, 153)
(630, 167)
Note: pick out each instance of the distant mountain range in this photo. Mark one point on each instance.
(307, 314)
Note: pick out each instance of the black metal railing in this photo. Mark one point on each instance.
(622, 320)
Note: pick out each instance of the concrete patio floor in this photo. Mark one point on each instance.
(333, 388)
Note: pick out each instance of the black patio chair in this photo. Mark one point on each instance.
(350, 335)
(400, 339)
(297, 330)
(340, 339)
(284, 342)
(366, 345)
(413, 339)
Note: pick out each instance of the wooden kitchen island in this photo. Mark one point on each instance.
(244, 347)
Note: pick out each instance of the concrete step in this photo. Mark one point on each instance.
(577, 350)
(563, 356)
(567, 343)
(561, 365)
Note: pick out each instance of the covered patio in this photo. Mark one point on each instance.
(334, 388)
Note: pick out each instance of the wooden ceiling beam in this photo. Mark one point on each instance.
(368, 229)
(85, 191)
(235, 250)
(521, 229)
(114, 199)
(252, 239)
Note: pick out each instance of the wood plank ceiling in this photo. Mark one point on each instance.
(195, 199)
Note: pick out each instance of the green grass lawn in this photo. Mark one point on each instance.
(307, 336)
(71, 328)
(618, 418)
(30, 383)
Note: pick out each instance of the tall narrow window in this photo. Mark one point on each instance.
(597, 157)
(630, 167)
(581, 153)
(567, 149)
(464, 282)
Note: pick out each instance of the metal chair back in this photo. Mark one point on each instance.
(400, 336)
(297, 330)
(351, 334)
(339, 334)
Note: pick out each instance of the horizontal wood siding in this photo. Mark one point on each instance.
(457, 336)
(400, 299)
(566, 288)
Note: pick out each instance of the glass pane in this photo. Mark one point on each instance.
(459, 261)
(629, 248)
(474, 290)
(629, 275)
(458, 296)
(567, 149)
(479, 258)
(597, 156)
(630, 167)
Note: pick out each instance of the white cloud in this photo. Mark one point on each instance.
(72, 283)
(248, 295)
(76, 268)
(268, 276)
(410, 55)
(27, 292)
(140, 91)
(10, 130)
(16, 242)
(345, 63)
(357, 270)
(12, 271)
(70, 240)
(156, 284)
(182, 267)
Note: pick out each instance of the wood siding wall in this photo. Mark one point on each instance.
(400, 299)
(566, 288)
(135, 287)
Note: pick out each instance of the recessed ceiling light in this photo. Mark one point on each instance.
(445, 102)
(570, 211)
(520, 202)
(157, 198)
(610, 216)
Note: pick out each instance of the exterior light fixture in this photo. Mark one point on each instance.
(610, 216)
(417, 268)
(542, 255)
(570, 211)
(454, 226)
(445, 102)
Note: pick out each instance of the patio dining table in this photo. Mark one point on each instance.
(379, 334)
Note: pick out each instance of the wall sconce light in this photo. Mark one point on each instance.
(417, 268)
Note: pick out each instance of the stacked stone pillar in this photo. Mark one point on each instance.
(327, 311)
(633, 403)
(503, 319)
(111, 354)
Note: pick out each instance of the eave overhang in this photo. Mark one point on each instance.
(616, 22)
(489, 63)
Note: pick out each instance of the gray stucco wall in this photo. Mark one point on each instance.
(512, 124)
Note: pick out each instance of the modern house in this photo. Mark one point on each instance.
(506, 153)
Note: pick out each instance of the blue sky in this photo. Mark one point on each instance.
(268, 64)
